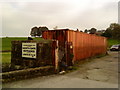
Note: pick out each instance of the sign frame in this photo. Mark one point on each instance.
(29, 50)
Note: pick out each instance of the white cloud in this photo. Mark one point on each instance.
(20, 16)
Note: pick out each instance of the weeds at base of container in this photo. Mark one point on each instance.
(99, 56)
(72, 68)
(102, 55)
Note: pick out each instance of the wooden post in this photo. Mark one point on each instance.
(56, 57)
(66, 52)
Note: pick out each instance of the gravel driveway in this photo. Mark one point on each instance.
(94, 73)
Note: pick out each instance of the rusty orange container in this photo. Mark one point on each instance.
(84, 45)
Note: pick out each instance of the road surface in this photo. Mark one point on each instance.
(95, 73)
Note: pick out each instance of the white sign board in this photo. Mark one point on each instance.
(29, 50)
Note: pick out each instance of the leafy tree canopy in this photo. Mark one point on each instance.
(113, 31)
(92, 31)
(37, 31)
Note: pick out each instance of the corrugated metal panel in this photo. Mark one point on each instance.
(84, 45)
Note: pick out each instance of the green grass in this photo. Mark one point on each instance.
(113, 42)
(6, 42)
(6, 45)
(6, 57)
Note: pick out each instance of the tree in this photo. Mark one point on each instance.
(77, 30)
(81, 31)
(115, 28)
(107, 33)
(35, 31)
(86, 31)
(113, 31)
(92, 31)
(100, 32)
(42, 29)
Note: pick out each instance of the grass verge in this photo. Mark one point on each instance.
(113, 42)
(6, 57)
(6, 42)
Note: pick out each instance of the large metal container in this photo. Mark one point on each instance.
(84, 45)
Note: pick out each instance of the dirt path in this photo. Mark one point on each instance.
(96, 73)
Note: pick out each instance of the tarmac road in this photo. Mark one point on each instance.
(95, 73)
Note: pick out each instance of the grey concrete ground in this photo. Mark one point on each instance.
(95, 73)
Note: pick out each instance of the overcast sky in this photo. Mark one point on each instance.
(19, 16)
